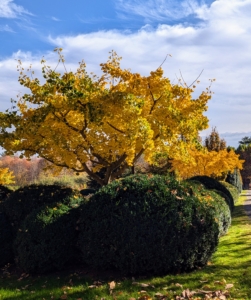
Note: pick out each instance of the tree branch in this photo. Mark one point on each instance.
(115, 128)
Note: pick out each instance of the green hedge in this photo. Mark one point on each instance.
(213, 184)
(217, 200)
(144, 224)
(4, 191)
(23, 201)
(6, 240)
(235, 179)
(48, 237)
(232, 189)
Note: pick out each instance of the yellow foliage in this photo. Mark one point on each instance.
(6, 176)
(194, 162)
(74, 118)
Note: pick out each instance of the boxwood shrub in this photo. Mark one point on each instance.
(235, 179)
(213, 184)
(6, 239)
(217, 200)
(6, 236)
(232, 189)
(144, 224)
(23, 201)
(48, 236)
(4, 191)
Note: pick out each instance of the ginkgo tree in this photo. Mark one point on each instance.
(201, 161)
(72, 119)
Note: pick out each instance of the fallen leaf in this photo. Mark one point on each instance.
(63, 297)
(92, 286)
(229, 286)
(112, 285)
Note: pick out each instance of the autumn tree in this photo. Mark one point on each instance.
(203, 162)
(76, 118)
(213, 142)
(6, 176)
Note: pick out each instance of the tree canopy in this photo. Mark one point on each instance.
(75, 119)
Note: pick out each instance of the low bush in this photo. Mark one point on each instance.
(147, 224)
(6, 236)
(4, 191)
(213, 184)
(23, 201)
(48, 236)
(232, 189)
(217, 200)
(6, 240)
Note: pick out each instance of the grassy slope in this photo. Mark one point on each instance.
(231, 264)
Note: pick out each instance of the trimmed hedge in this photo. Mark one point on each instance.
(147, 224)
(4, 192)
(235, 179)
(232, 189)
(212, 184)
(23, 201)
(217, 200)
(48, 237)
(6, 236)
(6, 240)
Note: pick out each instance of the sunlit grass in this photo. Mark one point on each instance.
(231, 264)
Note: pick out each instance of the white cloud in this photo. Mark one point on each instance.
(8, 9)
(221, 46)
(6, 28)
(55, 19)
(163, 10)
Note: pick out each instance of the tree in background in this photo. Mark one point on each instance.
(244, 150)
(203, 162)
(74, 118)
(6, 176)
(213, 142)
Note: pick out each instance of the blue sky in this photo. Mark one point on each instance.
(214, 36)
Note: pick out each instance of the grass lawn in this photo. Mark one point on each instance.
(229, 270)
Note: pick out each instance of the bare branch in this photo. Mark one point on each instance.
(196, 78)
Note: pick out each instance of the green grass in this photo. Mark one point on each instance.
(231, 264)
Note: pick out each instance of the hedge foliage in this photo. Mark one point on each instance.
(4, 191)
(6, 236)
(235, 179)
(6, 240)
(217, 200)
(212, 184)
(232, 189)
(145, 224)
(48, 237)
(23, 201)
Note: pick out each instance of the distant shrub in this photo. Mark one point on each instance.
(23, 201)
(48, 236)
(235, 179)
(213, 184)
(140, 224)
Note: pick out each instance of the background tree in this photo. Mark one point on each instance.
(213, 142)
(245, 141)
(203, 162)
(74, 118)
(6, 176)
(244, 150)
